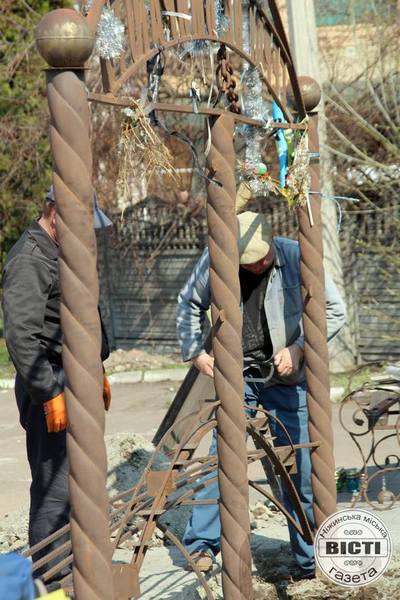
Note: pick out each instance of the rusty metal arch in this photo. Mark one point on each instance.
(94, 574)
(270, 53)
(135, 511)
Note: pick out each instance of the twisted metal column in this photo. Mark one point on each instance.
(70, 144)
(316, 347)
(228, 369)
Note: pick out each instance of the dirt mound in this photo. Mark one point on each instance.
(125, 360)
(274, 581)
(14, 531)
(274, 568)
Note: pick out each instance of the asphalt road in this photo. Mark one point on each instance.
(140, 408)
(137, 408)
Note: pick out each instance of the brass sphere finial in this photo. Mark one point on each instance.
(310, 91)
(63, 38)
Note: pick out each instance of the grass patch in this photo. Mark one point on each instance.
(180, 365)
(6, 367)
(353, 380)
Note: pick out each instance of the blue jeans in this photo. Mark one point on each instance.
(287, 403)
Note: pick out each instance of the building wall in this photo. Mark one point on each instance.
(348, 34)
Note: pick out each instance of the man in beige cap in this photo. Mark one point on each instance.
(273, 342)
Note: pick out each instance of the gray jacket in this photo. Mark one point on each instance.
(283, 305)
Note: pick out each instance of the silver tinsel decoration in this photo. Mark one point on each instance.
(221, 20)
(246, 29)
(87, 5)
(254, 138)
(253, 103)
(110, 35)
(254, 106)
(193, 48)
(298, 179)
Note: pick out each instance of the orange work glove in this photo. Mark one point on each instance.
(56, 414)
(106, 393)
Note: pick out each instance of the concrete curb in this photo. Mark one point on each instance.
(150, 376)
(157, 376)
(165, 375)
(126, 377)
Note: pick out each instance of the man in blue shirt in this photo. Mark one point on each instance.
(273, 342)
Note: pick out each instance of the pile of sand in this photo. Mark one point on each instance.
(273, 569)
(14, 531)
(128, 455)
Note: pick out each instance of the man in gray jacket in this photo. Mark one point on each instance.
(273, 342)
(32, 325)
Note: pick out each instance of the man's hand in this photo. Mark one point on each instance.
(106, 393)
(287, 361)
(204, 363)
(56, 414)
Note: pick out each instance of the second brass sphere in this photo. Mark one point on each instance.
(310, 91)
(63, 38)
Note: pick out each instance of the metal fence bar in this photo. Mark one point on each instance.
(228, 370)
(72, 156)
(316, 347)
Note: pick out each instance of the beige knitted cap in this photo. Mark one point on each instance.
(255, 236)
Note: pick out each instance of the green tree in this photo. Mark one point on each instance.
(25, 161)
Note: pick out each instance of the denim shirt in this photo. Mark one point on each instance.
(283, 306)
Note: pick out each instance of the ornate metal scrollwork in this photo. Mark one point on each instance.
(371, 416)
